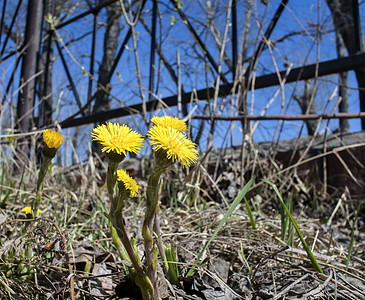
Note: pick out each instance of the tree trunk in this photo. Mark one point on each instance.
(25, 105)
(343, 18)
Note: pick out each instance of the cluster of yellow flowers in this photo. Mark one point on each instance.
(170, 143)
(167, 134)
(28, 210)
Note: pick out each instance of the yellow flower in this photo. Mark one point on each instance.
(117, 138)
(129, 183)
(52, 138)
(175, 143)
(167, 121)
(28, 210)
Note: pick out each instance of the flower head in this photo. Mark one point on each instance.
(28, 210)
(53, 139)
(129, 183)
(175, 143)
(117, 138)
(167, 121)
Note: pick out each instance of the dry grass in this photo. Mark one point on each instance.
(68, 248)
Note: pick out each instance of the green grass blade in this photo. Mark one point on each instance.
(229, 212)
(291, 227)
(352, 238)
(306, 248)
(244, 259)
(249, 212)
(2, 177)
(285, 218)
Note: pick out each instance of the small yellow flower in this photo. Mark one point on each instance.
(175, 143)
(167, 121)
(129, 183)
(117, 138)
(52, 138)
(28, 210)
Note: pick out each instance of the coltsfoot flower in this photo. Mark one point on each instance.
(28, 210)
(129, 183)
(175, 143)
(117, 138)
(167, 121)
(53, 140)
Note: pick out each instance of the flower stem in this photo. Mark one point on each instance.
(40, 184)
(121, 250)
(118, 230)
(141, 279)
(162, 164)
(160, 245)
(152, 200)
(111, 179)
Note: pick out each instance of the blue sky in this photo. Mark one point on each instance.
(297, 50)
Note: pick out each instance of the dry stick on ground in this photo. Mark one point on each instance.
(325, 277)
(319, 288)
(269, 256)
(290, 286)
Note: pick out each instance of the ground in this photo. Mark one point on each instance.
(67, 251)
